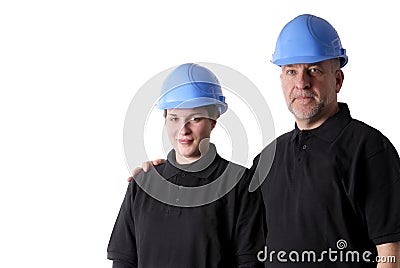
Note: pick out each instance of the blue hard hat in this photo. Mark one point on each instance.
(189, 86)
(308, 39)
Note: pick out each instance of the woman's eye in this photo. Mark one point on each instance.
(195, 119)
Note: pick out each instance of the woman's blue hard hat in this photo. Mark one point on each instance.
(190, 86)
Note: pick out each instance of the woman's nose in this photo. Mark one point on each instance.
(185, 129)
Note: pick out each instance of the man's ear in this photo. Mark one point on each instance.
(339, 80)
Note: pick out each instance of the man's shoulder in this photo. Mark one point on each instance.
(371, 138)
(270, 151)
(358, 125)
(363, 130)
(284, 138)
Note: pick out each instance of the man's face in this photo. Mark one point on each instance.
(311, 89)
(187, 128)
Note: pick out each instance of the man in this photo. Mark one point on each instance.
(160, 227)
(335, 181)
(332, 194)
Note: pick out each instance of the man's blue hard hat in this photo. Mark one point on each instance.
(308, 39)
(190, 86)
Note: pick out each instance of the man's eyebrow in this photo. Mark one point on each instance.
(310, 65)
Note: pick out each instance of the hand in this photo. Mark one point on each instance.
(145, 167)
(389, 254)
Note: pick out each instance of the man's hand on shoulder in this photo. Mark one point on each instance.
(145, 167)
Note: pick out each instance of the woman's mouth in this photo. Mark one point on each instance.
(185, 141)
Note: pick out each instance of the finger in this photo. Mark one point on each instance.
(146, 166)
(158, 162)
(130, 179)
(136, 171)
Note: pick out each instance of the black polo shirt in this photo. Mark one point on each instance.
(225, 233)
(332, 188)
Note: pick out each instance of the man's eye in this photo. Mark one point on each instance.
(314, 71)
(173, 119)
(290, 72)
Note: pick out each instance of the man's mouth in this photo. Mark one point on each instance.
(302, 97)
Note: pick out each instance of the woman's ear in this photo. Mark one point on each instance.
(213, 123)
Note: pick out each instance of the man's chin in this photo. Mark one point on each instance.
(305, 112)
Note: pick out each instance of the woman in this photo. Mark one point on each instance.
(204, 216)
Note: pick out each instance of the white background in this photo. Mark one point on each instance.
(69, 69)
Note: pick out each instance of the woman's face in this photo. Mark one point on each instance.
(188, 130)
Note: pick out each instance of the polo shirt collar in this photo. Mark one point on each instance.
(201, 168)
(332, 127)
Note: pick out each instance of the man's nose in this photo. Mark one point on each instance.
(303, 80)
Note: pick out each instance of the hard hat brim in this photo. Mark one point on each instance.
(308, 59)
(194, 103)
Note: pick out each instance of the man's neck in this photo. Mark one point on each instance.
(312, 123)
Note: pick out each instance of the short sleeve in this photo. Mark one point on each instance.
(382, 195)
(122, 264)
(122, 245)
